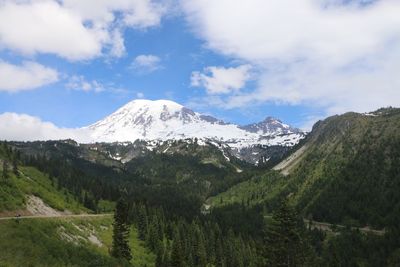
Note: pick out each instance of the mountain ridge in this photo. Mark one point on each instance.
(332, 174)
(165, 119)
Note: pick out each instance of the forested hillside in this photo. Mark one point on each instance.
(345, 172)
(349, 173)
(193, 206)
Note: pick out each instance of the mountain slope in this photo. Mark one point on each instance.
(351, 169)
(348, 172)
(84, 241)
(175, 169)
(26, 190)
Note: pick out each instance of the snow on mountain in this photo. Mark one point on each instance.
(162, 120)
(270, 126)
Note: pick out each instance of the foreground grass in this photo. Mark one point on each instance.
(64, 242)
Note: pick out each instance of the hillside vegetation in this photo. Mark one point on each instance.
(349, 173)
(22, 181)
(65, 242)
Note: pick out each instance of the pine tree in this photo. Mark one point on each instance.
(152, 238)
(220, 255)
(159, 259)
(15, 166)
(284, 239)
(176, 251)
(142, 223)
(120, 246)
(5, 170)
(200, 255)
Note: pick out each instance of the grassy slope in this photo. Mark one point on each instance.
(14, 190)
(38, 242)
(29, 181)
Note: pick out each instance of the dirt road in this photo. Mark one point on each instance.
(55, 216)
(327, 227)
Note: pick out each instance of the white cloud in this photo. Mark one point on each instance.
(144, 14)
(138, 14)
(146, 63)
(220, 80)
(47, 27)
(28, 76)
(21, 127)
(73, 29)
(117, 44)
(78, 82)
(322, 53)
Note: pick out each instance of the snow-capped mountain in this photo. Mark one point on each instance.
(166, 120)
(270, 126)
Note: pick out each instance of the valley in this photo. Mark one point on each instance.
(192, 201)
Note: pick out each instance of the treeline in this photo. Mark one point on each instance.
(9, 160)
(229, 237)
(178, 182)
(199, 242)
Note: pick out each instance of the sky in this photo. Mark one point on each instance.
(69, 63)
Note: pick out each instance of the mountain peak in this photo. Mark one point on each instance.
(152, 104)
(270, 125)
(168, 120)
(272, 120)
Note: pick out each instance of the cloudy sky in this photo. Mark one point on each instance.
(68, 63)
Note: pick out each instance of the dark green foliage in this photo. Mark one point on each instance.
(199, 250)
(351, 171)
(285, 240)
(120, 245)
(176, 251)
(142, 222)
(352, 248)
(200, 242)
(15, 166)
(5, 174)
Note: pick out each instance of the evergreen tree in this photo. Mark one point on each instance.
(142, 223)
(120, 245)
(153, 239)
(284, 240)
(15, 166)
(220, 255)
(176, 251)
(5, 170)
(200, 255)
(159, 259)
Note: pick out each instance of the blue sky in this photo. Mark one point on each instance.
(297, 62)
